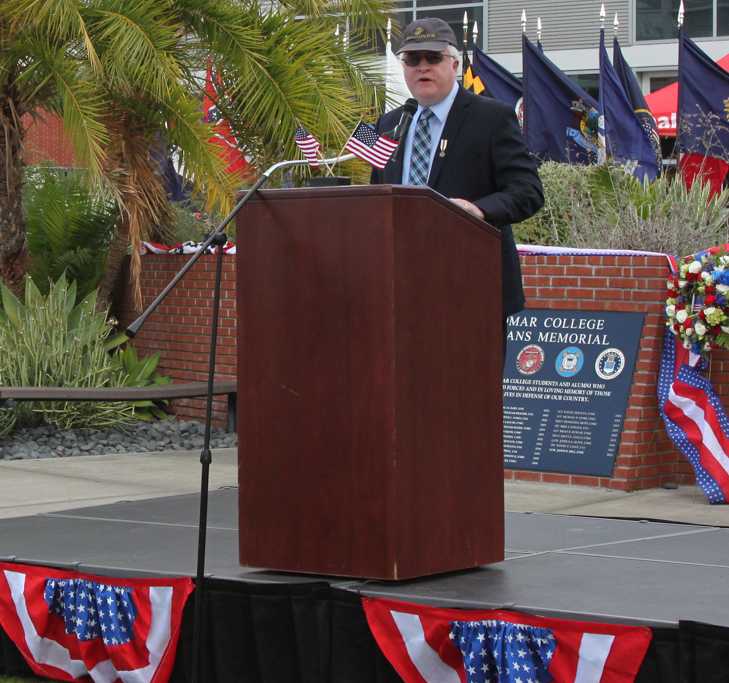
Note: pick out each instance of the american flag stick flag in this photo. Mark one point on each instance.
(308, 144)
(368, 145)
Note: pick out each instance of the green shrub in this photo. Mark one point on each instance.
(564, 186)
(50, 340)
(140, 372)
(603, 206)
(69, 228)
(664, 216)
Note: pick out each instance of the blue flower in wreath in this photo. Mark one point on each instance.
(721, 277)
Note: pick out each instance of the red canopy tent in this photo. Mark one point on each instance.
(663, 104)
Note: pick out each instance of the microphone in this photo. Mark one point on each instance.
(401, 130)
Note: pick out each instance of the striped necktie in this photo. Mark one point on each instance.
(420, 155)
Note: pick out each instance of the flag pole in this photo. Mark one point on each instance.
(523, 21)
(539, 31)
(616, 24)
(601, 128)
(465, 43)
(677, 146)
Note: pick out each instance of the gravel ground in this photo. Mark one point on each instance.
(142, 437)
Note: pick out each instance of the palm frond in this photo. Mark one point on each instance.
(61, 21)
(137, 41)
(307, 79)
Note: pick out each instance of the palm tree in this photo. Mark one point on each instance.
(128, 75)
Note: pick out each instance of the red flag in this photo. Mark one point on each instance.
(223, 135)
(706, 169)
(434, 645)
(68, 625)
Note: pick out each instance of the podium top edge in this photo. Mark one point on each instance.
(358, 191)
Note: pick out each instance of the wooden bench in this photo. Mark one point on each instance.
(156, 392)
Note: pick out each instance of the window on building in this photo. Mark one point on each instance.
(588, 82)
(404, 11)
(658, 82)
(722, 18)
(657, 19)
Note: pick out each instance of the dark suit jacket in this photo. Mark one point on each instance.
(487, 163)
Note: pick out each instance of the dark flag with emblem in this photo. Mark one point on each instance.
(68, 626)
(497, 81)
(366, 144)
(703, 114)
(637, 100)
(626, 140)
(560, 118)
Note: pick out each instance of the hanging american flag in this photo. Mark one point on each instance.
(434, 645)
(68, 625)
(368, 145)
(695, 419)
(308, 144)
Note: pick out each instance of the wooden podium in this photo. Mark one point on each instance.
(369, 383)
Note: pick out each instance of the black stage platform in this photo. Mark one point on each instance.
(645, 572)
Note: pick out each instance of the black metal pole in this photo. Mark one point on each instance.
(135, 326)
(205, 460)
(216, 237)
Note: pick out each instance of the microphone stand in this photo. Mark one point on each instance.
(217, 238)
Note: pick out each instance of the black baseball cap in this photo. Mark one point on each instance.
(431, 34)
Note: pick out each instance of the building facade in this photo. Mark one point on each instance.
(570, 31)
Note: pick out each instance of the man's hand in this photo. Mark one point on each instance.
(468, 206)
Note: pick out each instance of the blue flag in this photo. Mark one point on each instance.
(703, 102)
(637, 100)
(560, 118)
(626, 141)
(499, 83)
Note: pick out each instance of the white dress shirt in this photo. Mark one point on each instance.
(437, 122)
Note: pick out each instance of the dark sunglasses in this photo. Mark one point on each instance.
(413, 58)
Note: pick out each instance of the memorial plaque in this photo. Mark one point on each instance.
(567, 379)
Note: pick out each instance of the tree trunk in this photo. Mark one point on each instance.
(118, 250)
(12, 223)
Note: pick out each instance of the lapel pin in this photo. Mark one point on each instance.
(443, 145)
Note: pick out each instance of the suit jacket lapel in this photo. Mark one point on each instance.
(456, 117)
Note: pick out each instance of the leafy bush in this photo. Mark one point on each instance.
(663, 216)
(564, 186)
(141, 372)
(68, 228)
(50, 340)
(605, 207)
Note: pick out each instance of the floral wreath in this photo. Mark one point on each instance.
(697, 307)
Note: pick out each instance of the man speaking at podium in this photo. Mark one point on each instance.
(466, 147)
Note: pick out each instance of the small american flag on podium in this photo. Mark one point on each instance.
(308, 144)
(368, 145)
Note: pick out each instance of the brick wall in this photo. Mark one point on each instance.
(45, 141)
(180, 327)
(646, 458)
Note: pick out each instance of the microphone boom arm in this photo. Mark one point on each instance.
(135, 326)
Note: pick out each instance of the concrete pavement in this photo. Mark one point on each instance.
(29, 487)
